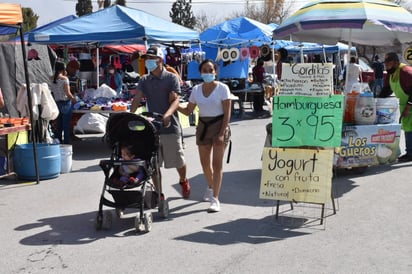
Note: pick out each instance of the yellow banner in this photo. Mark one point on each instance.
(301, 175)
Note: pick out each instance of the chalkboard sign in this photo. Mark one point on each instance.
(311, 79)
(302, 175)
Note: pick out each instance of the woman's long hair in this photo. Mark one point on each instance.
(58, 68)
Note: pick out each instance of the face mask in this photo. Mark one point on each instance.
(391, 70)
(207, 77)
(111, 71)
(151, 64)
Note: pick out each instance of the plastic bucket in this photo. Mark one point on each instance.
(48, 160)
(66, 153)
(387, 110)
(365, 110)
(350, 104)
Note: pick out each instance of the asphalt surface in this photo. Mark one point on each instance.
(49, 227)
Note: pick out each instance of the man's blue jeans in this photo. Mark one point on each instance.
(377, 86)
(408, 143)
(63, 121)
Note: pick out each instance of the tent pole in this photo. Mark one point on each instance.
(97, 66)
(29, 99)
(273, 58)
(348, 59)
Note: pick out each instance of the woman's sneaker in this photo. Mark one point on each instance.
(214, 205)
(207, 197)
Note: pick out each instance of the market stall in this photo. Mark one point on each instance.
(118, 26)
(11, 20)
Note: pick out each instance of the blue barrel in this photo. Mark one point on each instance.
(48, 160)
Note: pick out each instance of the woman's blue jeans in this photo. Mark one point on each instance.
(63, 121)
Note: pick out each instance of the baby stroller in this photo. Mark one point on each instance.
(140, 132)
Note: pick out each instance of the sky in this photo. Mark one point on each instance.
(50, 10)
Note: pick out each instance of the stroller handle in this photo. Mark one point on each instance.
(157, 119)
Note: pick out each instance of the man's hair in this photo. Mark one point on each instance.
(392, 56)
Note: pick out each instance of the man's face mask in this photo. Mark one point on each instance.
(151, 64)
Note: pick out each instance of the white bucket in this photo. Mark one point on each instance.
(66, 158)
(387, 110)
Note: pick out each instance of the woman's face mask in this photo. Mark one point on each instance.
(111, 71)
(151, 64)
(208, 77)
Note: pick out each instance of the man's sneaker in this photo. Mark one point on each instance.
(185, 188)
(214, 205)
(207, 197)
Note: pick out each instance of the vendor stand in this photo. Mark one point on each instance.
(9, 137)
(11, 21)
(308, 138)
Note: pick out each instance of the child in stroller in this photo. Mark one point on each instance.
(129, 173)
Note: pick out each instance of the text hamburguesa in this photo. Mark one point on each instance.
(295, 105)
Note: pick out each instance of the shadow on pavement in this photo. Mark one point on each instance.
(238, 187)
(242, 231)
(78, 229)
(242, 188)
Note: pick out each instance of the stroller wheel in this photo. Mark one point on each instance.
(148, 220)
(99, 221)
(119, 212)
(164, 208)
(139, 224)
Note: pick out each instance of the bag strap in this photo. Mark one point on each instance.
(229, 151)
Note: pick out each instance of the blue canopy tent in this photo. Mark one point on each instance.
(235, 33)
(48, 26)
(114, 25)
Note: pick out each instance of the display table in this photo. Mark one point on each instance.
(11, 136)
(246, 95)
(368, 145)
(83, 111)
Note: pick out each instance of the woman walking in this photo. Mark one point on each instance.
(213, 132)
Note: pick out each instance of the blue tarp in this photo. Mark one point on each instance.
(48, 26)
(114, 25)
(241, 31)
(295, 47)
(237, 69)
(238, 32)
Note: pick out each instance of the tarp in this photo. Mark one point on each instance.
(49, 25)
(238, 32)
(12, 71)
(235, 33)
(296, 47)
(114, 26)
(10, 15)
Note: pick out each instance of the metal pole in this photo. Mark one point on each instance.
(97, 66)
(29, 99)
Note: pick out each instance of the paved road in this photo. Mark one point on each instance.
(49, 228)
